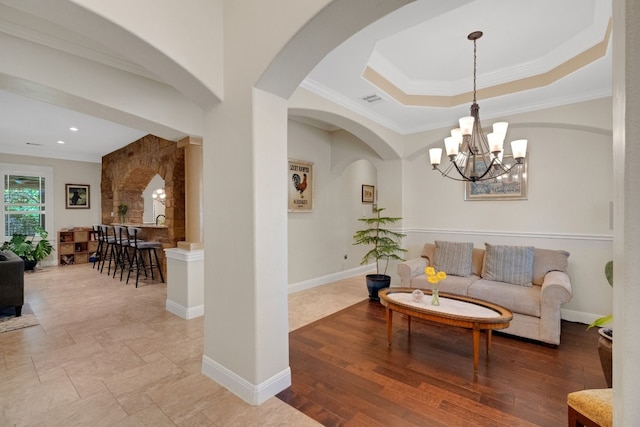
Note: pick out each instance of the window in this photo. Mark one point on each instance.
(25, 202)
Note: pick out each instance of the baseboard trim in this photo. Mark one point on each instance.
(330, 278)
(250, 393)
(184, 312)
(579, 316)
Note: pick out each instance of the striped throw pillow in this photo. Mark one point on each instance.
(509, 264)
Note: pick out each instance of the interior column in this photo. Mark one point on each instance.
(193, 193)
(185, 264)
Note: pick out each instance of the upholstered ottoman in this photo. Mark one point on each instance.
(590, 408)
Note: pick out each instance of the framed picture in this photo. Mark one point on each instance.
(77, 196)
(368, 193)
(300, 185)
(511, 186)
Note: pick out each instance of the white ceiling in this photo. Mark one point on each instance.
(422, 49)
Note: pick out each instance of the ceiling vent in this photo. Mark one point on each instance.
(371, 98)
(35, 144)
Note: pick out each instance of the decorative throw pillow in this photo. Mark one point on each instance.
(546, 260)
(509, 264)
(453, 258)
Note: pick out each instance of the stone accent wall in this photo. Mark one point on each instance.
(127, 172)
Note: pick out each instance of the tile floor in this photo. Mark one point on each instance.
(108, 354)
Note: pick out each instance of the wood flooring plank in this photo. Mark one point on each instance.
(344, 373)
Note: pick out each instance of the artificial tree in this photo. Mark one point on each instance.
(385, 247)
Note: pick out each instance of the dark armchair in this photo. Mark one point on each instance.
(11, 281)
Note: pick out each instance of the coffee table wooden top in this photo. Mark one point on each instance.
(453, 309)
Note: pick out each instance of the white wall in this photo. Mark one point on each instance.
(320, 240)
(67, 172)
(568, 206)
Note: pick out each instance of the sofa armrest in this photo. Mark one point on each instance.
(556, 287)
(411, 268)
(556, 290)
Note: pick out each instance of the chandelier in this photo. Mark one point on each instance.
(159, 195)
(474, 155)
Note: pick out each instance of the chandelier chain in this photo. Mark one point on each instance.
(475, 67)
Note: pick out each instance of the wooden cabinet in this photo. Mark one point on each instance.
(75, 246)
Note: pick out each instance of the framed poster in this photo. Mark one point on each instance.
(511, 186)
(300, 184)
(368, 193)
(77, 196)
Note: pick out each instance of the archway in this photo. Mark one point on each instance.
(127, 172)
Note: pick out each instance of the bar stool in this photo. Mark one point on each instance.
(122, 247)
(140, 248)
(109, 247)
(97, 233)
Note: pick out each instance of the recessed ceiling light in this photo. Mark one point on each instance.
(60, 142)
(73, 129)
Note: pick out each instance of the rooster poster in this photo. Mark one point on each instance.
(300, 185)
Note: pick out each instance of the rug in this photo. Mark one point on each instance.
(9, 321)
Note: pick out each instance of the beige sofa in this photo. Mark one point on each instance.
(533, 283)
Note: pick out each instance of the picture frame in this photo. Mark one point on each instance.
(511, 186)
(77, 196)
(300, 186)
(368, 194)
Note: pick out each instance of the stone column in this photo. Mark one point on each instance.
(185, 264)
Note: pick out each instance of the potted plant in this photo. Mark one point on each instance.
(605, 342)
(386, 247)
(122, 210)
(31, 252)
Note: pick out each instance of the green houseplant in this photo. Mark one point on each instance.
(25, 247)
(605, 342)
(608, 272)
(385, 246)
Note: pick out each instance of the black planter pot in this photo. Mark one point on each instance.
(375, 282)
(29, 264)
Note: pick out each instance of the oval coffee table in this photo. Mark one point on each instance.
(455, 310)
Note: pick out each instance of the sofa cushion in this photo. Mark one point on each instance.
(546, 260)
(2, 257)
(477, 258)
(427, 252)
(518, 299)
(509, 264)
(454, 258)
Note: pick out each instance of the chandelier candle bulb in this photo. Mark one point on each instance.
(466, 125)
(451, 144)
(496, 142)
(435, 154)
(519, 148)
(500, 128)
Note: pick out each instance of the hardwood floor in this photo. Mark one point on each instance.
(345, 374)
